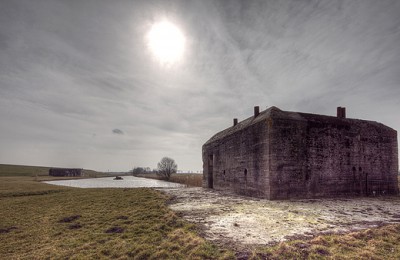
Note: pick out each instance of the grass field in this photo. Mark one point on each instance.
(41, 221)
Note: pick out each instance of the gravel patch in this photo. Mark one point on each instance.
(240, 222)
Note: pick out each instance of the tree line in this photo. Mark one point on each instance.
(165, 168)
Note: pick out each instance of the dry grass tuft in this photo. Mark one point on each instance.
(377, 243)
(188, 179)
(320, 240)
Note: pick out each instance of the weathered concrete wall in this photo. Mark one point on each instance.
(239, 162)
(282, 155)
(326, 157)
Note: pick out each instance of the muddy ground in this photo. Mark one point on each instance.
(243, 222)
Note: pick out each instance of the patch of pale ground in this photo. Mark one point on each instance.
(239, 221)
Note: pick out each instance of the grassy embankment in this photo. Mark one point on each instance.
(39, 221)
(24, 180)
(189, 179)
(41, 172)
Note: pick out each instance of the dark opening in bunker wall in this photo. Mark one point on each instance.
(210, 177)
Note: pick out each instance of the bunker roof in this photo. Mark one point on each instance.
(276, 113)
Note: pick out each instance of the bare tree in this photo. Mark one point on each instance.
(166, 167)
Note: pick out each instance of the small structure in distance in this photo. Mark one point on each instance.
(65, 172)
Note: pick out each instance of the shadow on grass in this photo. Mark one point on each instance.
(114, 230)
(69, 219)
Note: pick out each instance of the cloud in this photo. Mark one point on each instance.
(71, 69)
(117, 131)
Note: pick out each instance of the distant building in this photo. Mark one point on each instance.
(62, 172)
(279, 154)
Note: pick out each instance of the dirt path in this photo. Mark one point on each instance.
(241, 222)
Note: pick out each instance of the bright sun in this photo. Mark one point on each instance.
(166, 42)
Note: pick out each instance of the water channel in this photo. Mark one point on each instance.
(110, 182)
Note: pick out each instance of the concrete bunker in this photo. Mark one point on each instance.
(278, 154)
(63, 172)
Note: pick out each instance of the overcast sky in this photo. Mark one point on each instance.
(79, 86)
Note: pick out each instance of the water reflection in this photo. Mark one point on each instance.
(109, 182)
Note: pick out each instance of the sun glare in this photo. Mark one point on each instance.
(166, 42)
